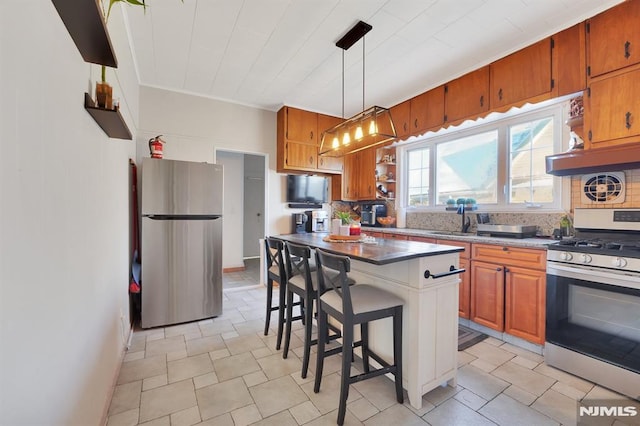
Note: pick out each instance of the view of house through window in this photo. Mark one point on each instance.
(501, 163)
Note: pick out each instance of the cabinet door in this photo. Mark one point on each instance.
(401, 116)
(421, 239)
(302, 126)
(366, 174)
(427, 110)
(328, 163)
(464, 291)
(467, 96)
(569, 60)
(612, 109)
(521, 75)
(487, 294)
(349, 177)
(525, 304)
(300, 155)
(614, 38)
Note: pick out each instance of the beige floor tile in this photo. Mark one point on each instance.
(155, 334)
(205, 380)
(204, 345)
(426, 407)
(470, 399)
(164, 346)
(362, 409)
(181, 329)
(395, 415)
(154, 382)
(440, 394)
(380, 391)
(235, 366)
(493, 341)
(216, 328)
(223, 420)
(453, 412)
(162, 421)
(230, 335)
(254, 378)
(489, 353)
(569, 391)
(261, 353)
(559, 407)
(530, 380)
(566, 378)
(221, 353)
(277, 395)
(247, 343)
(188, 417)
(132, 356)
(189, 367)
(138, 343)
(525, 362)
(142, 368)
(522, 352)
(175, 355)
(275, 366)
(509, 412)
(283, 418)
(125, 397)
(167, 400)
(329, 419)
(305, 412)
(125, 418)
(223, 398)
(464, 358)
(245, 328)
(520, 395)
(483, 365)
(480, 383)
(245, 416)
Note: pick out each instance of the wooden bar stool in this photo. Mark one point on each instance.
(276, 272)
(359, 304)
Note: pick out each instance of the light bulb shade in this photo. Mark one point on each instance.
(380, 129)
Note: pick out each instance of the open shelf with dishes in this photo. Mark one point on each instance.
(386, 173)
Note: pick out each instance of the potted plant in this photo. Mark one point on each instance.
(345, 217)
(450, 204)
(104, 92)
(461, 201)
(470, 203)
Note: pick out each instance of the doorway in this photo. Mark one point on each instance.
(244, 209)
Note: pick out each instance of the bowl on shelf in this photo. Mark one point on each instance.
(386, 220)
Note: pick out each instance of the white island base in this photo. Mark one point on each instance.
(430, 320)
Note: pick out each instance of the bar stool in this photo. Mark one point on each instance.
(276, 272)
(351, 306)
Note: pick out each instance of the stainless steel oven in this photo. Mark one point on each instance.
(593, 300)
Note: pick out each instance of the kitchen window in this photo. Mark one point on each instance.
(501, 164)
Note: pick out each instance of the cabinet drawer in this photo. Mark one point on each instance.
(422, 239)
(467, 247)
(396, 236)
(510, 256)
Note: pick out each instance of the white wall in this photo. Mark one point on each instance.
(233, 217)
(64, 237)
(194, 127)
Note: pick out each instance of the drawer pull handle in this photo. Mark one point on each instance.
(627, 52)
(452, 271)
(627, 120)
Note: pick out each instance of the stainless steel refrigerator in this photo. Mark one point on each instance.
(181, 241)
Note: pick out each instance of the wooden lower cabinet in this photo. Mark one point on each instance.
(397, 236)
(525, 304)
(487, 295)
(422, 239)
(464, 290)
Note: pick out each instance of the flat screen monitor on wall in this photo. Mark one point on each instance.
(305, 189)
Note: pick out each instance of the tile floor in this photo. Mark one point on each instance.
(224, 371)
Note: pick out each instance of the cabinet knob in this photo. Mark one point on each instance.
(481, 100)
(505, 248)
(628, 118)
(506, 269)
(415, 123)
(627, 51)
(500, 94)
(311, 135)
(498, 269)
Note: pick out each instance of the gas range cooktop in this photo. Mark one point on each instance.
(600, 246)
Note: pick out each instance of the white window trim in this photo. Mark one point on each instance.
(559, 107)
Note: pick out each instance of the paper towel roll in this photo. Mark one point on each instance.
(335, 226)
(401, 217)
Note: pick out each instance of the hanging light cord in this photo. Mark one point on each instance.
(363, 37)
(343, 84)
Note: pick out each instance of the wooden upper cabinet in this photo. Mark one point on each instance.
(292, 154)
(328, 163)
(427, 110)
(612, 110)
(302, 126)
(367, 174)
(401, 115)
(614, 38)
(522, 75)
(467, 96)
(570, 60)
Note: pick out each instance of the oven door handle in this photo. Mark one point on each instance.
(619, 279)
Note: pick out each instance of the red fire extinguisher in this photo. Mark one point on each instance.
(155, 147)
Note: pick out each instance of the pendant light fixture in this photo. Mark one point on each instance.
(366, 129)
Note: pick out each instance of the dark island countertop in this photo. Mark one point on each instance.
(382, 252)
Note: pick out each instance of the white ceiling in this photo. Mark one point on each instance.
(269, 53)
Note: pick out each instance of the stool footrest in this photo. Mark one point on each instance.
(374, 373)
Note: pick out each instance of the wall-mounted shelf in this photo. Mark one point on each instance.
(110, 120)
(86, 27)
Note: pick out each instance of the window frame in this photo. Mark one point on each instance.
(556, 108)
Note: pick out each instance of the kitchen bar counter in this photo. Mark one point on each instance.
(430, 312)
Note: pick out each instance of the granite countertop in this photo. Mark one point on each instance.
(539, 243)
(381, 252)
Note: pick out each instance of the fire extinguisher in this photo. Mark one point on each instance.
(155, 147)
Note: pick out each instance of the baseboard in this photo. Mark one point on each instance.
(114, 382)
(236, 269)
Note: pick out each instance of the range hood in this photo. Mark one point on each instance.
(580, 161)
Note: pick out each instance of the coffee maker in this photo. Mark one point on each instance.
(371, 212)
(299, 223)
(317, 221)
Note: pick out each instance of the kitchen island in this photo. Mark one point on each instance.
(424, 276)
